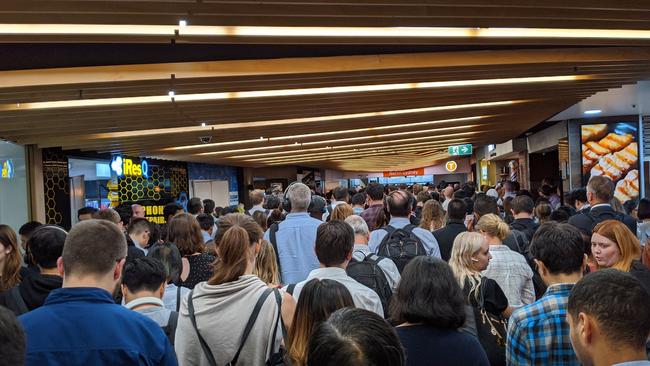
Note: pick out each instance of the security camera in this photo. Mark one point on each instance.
(205, 139)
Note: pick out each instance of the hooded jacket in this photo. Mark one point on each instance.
(222, 312)
(33, 290)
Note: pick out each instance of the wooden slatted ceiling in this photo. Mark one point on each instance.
(322, 125)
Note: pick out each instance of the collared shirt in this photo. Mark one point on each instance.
(296, 238)
(445, 204)
(157, 313)
(538, 334)
(428, 240)
(513, 274)
(386, 264)
(104, 333)
(363, 296)
(634, 363)
(357, 210)
(371, 214)
(206, 236)
(255, 209)
(171, 294)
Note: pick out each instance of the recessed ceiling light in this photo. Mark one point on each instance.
(202, 124)
(171, 94)
(593, 111)
(182, 23)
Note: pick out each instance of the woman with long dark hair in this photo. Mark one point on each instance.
(430, 308)
(10, 261)
(185, 232)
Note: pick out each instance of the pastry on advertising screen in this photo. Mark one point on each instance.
(611, 150)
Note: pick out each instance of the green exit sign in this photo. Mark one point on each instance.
(458, 150)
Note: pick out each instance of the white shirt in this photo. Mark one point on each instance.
(363, 297)
(333, 205)
(445, 204)
(513, 274)
(386, 264)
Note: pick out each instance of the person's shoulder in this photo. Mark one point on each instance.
(423, 233)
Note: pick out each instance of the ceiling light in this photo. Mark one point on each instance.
(319, 32)
(182, 23)
(290, 121)
(592, 112)
(171, 95)
(305, 91)
(202, 124)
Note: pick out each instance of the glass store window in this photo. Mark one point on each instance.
(14, 203)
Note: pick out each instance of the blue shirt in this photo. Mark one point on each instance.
(84, 326)
(426, 237)
(538, 334)
(296, 238)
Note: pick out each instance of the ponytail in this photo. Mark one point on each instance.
(494, 226)
(502, 230)
(233, 256)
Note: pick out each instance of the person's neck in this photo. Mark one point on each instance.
(360, 240)
(357, 206)
(105, 282)
(494, 241)
(554, 279)
(594, 203)
(372, 202)
(298, 212)
(50, 271)
(343, 265)
(137, 243)
(522, 215)
(606, 356)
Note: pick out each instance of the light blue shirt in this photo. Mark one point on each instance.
(169, 298)
(357, 210)
(428, 240)
(634, 363)
(296, 238)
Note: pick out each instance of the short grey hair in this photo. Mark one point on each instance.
(358, 224)
(300, 197)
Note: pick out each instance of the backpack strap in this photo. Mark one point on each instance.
(19, 303)
(204, 345)
(251, 323)
(274, 241)
(409, 228)
(278, 300)
(389, 229)
(170, 328)
(290, 288)
(178, 298)
(374, 258)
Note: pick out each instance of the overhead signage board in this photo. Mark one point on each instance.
(404, 173)
(128, 168)
(451, 166)
(460, 150)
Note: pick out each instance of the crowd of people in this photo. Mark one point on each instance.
(382, 275)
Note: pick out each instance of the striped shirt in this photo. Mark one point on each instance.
(538, 334)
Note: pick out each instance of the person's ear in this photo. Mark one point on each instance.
(586, 328)
(585, 263)
(117, 273)
(348, 257)
(258, 247)
(161, 290)
(125, 291)
(59, 266)
(541, 268)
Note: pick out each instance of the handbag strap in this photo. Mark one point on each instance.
(204, 345)
(278, 300)
(178, 298)
(251, 323)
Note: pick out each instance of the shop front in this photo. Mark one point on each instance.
(14, 199)
(75, 180)
(451, 171)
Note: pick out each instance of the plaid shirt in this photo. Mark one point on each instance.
(370, 215)
(538, 334)
(513, 274)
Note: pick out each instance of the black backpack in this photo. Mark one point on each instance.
(595, 220)
(368, 273)
(401, 245)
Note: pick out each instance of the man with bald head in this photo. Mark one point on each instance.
(448, 192)
(80, 322)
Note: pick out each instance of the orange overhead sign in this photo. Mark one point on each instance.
(404, 173)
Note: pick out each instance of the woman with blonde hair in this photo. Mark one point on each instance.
(433, 216)
(266, 265)
(470, 255)
(341, 212)
(613, 245)
(10, 259)
(508, 268)
(233, 318)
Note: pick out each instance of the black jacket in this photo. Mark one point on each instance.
(642, 273)
(33, 289)
(131, 251)
(526, 226)
(586, 222)
(446, 235)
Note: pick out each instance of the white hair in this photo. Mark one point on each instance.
(300, 197)
(358, 224)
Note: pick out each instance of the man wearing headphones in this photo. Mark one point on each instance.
(294, 238)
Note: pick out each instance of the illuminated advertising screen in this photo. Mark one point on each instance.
(612, 150)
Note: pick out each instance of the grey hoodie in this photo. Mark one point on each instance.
(222, 312)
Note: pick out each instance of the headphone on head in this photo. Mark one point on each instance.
(286, 203)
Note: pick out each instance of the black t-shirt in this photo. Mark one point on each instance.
(426, 345)
(200, 269)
